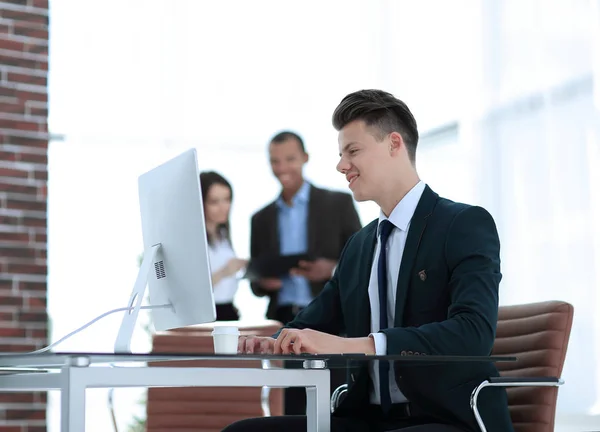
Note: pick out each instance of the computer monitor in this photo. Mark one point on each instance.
(175, 264)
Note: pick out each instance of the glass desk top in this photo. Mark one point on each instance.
(51, 360)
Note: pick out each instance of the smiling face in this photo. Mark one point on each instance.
(373, 166)
(287, 161)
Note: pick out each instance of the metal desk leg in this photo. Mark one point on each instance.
(318, 411)
(72, 397)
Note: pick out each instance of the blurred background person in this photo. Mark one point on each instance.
(217, 195)
(304, 219)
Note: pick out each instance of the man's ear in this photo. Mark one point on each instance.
(396, 142)
(305, 157)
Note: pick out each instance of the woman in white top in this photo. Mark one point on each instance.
(216, 196)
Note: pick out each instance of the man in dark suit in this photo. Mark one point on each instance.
(422, 279)
(304, 219)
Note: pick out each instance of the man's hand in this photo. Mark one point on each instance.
(255, 345)
(315, 342)
(315, 271)
(270, 284)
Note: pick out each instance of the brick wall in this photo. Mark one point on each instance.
(23, 176)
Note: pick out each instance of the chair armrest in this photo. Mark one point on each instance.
(509, 382)
(337, 395)
(525, 381)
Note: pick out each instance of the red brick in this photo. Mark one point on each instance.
(12, 45)
(29, 17)
(34, 429)
(17, 204)
(6, 284)
(16, 60)
(36, 303)
(18, 348)
(9, 172)
(13, 332)
(35, 111)
(31, 269)
(40, 238)
(28, 95)
(9, 220)
(27, 79)
(40, 4)
(12, 428)
(30, 30)
(7, 397)
(20, 252)
(33, 158)
(13, 107)
(25, 414)
(33, 286)
(17, 188)
(32, 317)
(6, 316)
(34, 222)
(40, 175)
(38, 334)
(14, 237)
(11, 301)
(39, 142)
(19, 125)
(17, 2)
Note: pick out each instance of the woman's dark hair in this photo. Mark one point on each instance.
(382, 111)
(207, 180)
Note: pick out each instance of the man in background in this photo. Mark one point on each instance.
(304, 219)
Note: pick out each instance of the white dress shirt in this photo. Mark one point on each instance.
(400, 218)
(219, 255)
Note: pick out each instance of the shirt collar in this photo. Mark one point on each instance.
(301, 196)
(405, 209)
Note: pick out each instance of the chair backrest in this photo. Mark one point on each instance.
(205, 409)
(538, 335)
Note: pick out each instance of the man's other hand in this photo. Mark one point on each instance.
(255, 345)
(270, 284)
(319, 270)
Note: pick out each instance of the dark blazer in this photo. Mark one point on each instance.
(446, 304)
(332, 220)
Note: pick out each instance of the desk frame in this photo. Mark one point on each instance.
(73, 379)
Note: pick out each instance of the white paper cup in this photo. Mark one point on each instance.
(225, 339)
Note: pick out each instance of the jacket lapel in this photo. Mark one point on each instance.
(417, 227)
(272, 230)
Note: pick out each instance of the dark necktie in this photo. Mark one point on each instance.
(385, 228)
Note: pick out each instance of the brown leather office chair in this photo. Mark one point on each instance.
(538, 335)
(207, 409)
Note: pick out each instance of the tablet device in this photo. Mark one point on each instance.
(273, 266)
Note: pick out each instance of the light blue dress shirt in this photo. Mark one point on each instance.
(293, 239)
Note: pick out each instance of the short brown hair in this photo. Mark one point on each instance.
(381, 110)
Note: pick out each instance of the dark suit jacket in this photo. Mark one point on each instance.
(332, 220)
(446, 304)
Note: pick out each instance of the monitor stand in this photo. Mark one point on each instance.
(123, 341)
